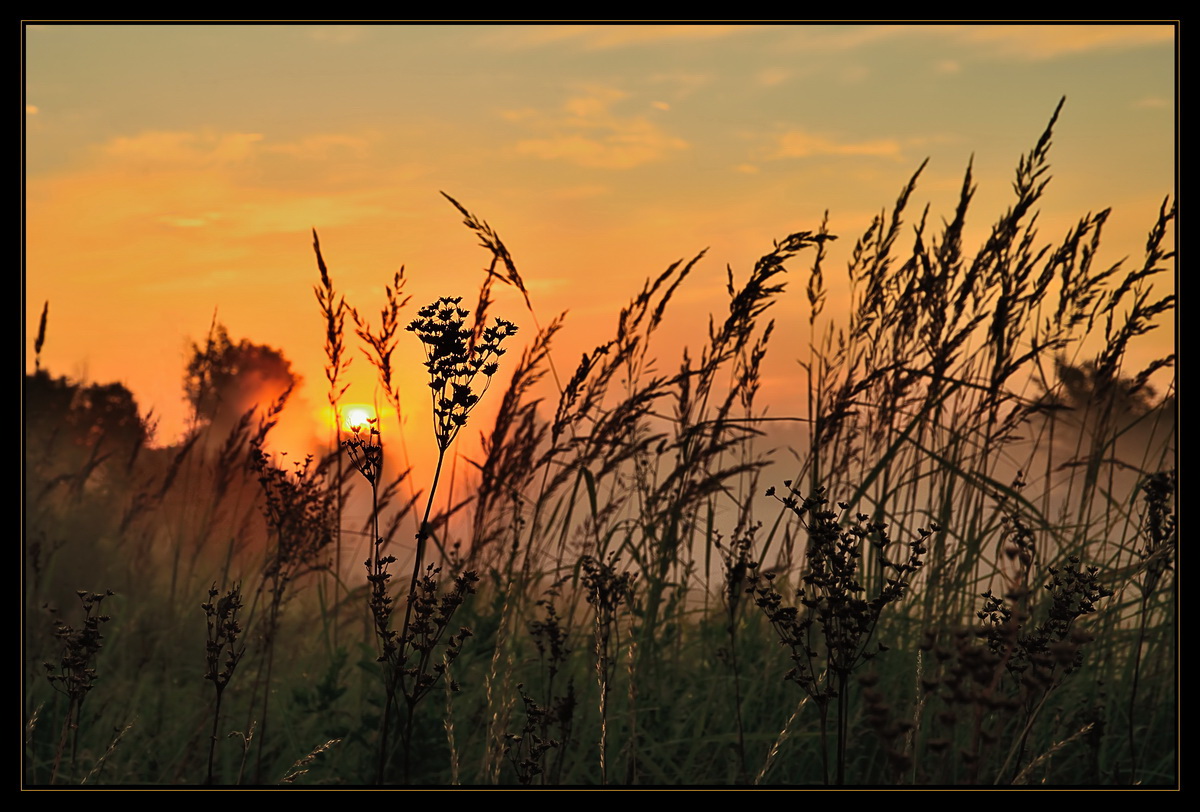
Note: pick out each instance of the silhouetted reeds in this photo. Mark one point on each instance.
(613, 533)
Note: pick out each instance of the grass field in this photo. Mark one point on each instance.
(967, 578)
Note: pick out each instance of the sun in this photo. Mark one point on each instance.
(357, 415)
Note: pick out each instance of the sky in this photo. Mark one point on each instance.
(174, 172)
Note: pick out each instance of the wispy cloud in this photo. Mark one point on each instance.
(185, 150)
(770, 77)
(604, 37)
(1152, 103)
(1036, 42)
(31, 110)
(828, 39)
(190, 149)
(242, 182)
(338, 34)
(1024, 42)
(802, 144)
(112, 201)
(314, 147)
(581, 192)
(587, 132)
(679, 85)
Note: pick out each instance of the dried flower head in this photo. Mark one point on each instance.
(75, 674)
(365, 448)
(454, 360)
(222, 651)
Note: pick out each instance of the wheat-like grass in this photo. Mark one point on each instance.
(612, 523)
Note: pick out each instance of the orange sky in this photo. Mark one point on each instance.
(173, 171)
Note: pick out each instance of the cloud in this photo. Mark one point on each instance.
(158, 149)
(320, 147)
(612, 152)
(1024, 42)
(183, 148)
(853, 74)
(581, 192)
(1152, 103)
(184, 222)
(802, 144)
(242, 182)
(1037, 42)
(31, 110)
(605, 37)
(681, 83)
(843, 38)
(588, 133)
(770, 77)
(338, 34)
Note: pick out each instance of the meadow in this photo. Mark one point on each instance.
(964, 575)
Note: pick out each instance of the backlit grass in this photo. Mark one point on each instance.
(966, 577)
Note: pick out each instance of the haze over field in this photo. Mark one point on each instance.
(174, 171)
(781, 404)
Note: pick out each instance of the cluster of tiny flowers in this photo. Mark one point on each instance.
(454, 364)
(366, 450)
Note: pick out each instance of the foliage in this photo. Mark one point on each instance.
(606, 594)
(223, 380)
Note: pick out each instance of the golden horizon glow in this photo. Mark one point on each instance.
(600, 154)
(359, 416)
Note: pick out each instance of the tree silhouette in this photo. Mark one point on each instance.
(224, 380)
(72, 429)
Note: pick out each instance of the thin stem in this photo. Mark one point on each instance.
(418, 560)
(212, 746)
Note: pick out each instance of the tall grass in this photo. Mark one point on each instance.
(970, 566)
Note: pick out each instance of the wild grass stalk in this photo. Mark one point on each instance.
(74, 675)
(379, 346)
(830, 636)
(223, 651)
(613, 515)
(738, 565)
(300, 508)
(1160, 534)
(97, 770)
(333, 309)
(301, 767)
(551, 636)
(607, 589)
(454, 366)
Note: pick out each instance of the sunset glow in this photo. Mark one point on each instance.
(357, 416)
(164, 184)
(589, 405)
